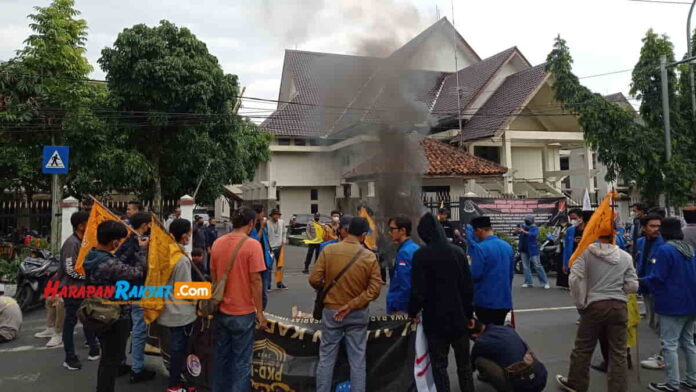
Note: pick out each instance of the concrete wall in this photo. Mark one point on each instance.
(457, 185)
(304, 169)
(297, 200)
(527, 163)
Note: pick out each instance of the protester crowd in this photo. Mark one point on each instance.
(457, 282)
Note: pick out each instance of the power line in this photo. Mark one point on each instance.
(660, 2)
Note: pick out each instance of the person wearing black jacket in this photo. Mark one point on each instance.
(443, 290)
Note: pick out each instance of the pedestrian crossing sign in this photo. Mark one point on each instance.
(55, 159)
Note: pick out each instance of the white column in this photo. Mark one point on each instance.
(68, 207)
(589, 167)
(507, 162)
(186, 203)
(371, 189)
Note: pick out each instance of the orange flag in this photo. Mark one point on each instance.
(98, 215)
(162, 255)
(601, 224)
(280, 264)
(371, 239)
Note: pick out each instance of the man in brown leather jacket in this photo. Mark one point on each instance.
(346, 312)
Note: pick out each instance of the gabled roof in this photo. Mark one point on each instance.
(471, 80)
(411, 46)
(618, 98)
(505, 103)
(442, 160)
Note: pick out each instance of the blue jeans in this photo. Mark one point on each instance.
(266, 281)
(354, 329)
(177, 352)
(71, 306)
(234, 340)
(536, 261)
(677, 332)
(138, 338)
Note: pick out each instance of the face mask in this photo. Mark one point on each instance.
(574, 222)
(336, 219)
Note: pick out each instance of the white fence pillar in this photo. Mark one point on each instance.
(186, 203)
(68, 206)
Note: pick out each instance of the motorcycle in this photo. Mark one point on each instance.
(34, 273)
(547, 252)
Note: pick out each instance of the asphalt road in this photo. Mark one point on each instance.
(545, 319)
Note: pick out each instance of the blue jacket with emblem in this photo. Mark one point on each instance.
(643, 269)
(400, 285)
(672, 279)
(530, 239)
(492, 272)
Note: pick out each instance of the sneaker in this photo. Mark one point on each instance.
(563, 383)
(525, 286)
(656, 362)
(46, 333)
(144, 375)
(662, 387)
(176, 389)
(280, 285)
(72, 363)
(94, 354)
(305, 271)
(687, 386)
(546, 287)
(55, 341)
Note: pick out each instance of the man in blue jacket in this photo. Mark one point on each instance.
(400, 283)
(529, 233)
(672, 284)
(578, 220)
(260, 233)
(645, 249)
(492, 272)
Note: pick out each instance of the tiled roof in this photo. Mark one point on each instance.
(318, 101)
(505, 103)
(442, 160)
(618, 98)
(471, 80)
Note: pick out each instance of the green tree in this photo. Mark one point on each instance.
(47, 99)
(176, 110)
(631, 147)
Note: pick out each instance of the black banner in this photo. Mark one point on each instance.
(506, 214)
(286, 355)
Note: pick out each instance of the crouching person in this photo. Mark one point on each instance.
(178, 315)
(10, 317)
(504, 360)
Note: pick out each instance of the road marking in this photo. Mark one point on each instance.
(27, 348)
(551, 309)
(27, 377)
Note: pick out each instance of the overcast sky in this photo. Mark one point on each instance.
(249, 36)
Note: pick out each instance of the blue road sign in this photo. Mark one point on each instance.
(55, 159)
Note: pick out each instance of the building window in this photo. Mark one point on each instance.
(565, 165)
(314, 208)
(313, 142)
(490, 153)
(314, 194)
(277, 194)
(283, 142)
(300, 142)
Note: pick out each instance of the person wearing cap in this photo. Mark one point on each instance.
(315, 236)
(341, 232)
(399, 293)
(600, 280)
(10, 317)
(504, 360)
(672, 283)
(276, 239)
(345, 315)
(492, 270)
(528, 235)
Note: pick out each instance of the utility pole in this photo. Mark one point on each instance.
(665, 107)
(691, 68)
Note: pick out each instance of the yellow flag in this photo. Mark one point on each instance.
(601, 224)
(98, 215)
(371, 238)
(633, 321)
(280, 264)
(162, 255)
(319, 230)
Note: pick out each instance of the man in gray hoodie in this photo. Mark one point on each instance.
(599, 281)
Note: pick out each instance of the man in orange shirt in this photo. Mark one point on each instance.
(242, 303)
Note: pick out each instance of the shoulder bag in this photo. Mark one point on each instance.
(321, 295)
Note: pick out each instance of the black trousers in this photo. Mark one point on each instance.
(313, 248)
(438, 348)
(491, 316)
(113, 354)
(561, 277)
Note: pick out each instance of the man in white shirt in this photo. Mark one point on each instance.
(276, 239)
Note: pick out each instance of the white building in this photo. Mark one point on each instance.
(509, 117)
